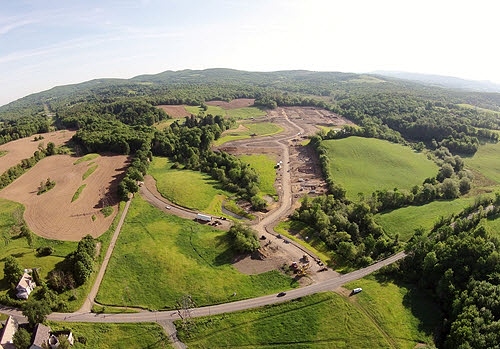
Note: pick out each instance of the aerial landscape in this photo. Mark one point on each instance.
(292, 202)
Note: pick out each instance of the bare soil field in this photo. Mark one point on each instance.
(234, 104)
(175, 111)
(25, 147)
(52, 214)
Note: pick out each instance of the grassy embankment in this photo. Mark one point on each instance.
(2, 153)
(382, 316)
(264, 165)
(364, 165)
(110, 335)
(159, 258)
(191, 189)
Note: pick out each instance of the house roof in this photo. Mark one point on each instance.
(25, 281)
(40, 335)
(11, 326)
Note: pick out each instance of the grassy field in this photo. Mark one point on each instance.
(111, 335)
(379, 317)
(405, 220)
(401, 312)
(10, 212)
(259, 129)
(159, 258)
(487, 162)
(187, 188)
(264, 165)
(493, 226)
(363, 165)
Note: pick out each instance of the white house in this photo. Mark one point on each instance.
(25, 286)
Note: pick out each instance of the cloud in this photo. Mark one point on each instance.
(13, 24)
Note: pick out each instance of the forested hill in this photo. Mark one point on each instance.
(195, 86)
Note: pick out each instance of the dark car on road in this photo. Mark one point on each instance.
(281, 294)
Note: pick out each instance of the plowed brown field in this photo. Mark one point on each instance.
(52, 214)
(24, 148)
(175, 111)
(234, 104)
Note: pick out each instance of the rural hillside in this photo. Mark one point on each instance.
(280, 209)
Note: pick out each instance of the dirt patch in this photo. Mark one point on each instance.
(52, 214)
(234, 104)
(25, 147)
(175, 111)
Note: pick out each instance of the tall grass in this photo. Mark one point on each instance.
(264, 165)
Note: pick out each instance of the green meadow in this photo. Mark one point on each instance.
(264, 165)
(113, 335)
(382, 316)
(363, 165)
(405, 220)
(187, 188)
(159, 258)
(258, 129)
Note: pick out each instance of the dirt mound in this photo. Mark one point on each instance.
(25, 147)
(53, 214)
(234, 104)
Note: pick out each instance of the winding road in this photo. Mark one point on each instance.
(264, 227)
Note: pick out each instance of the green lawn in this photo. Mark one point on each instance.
(191, 189)
(382, 316)
(363, 165)
(405, 220)
(259, 129)
(112, 335)
(264, 165)
(159, 258)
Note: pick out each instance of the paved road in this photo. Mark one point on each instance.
(155, 316)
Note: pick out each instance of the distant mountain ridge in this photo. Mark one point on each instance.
(442, 81)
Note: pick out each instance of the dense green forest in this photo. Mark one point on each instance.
(457, 262)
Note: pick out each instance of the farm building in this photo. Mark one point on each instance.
(43, 337)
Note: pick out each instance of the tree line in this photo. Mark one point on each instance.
(458, 262)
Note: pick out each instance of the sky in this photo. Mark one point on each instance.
(47, 43)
